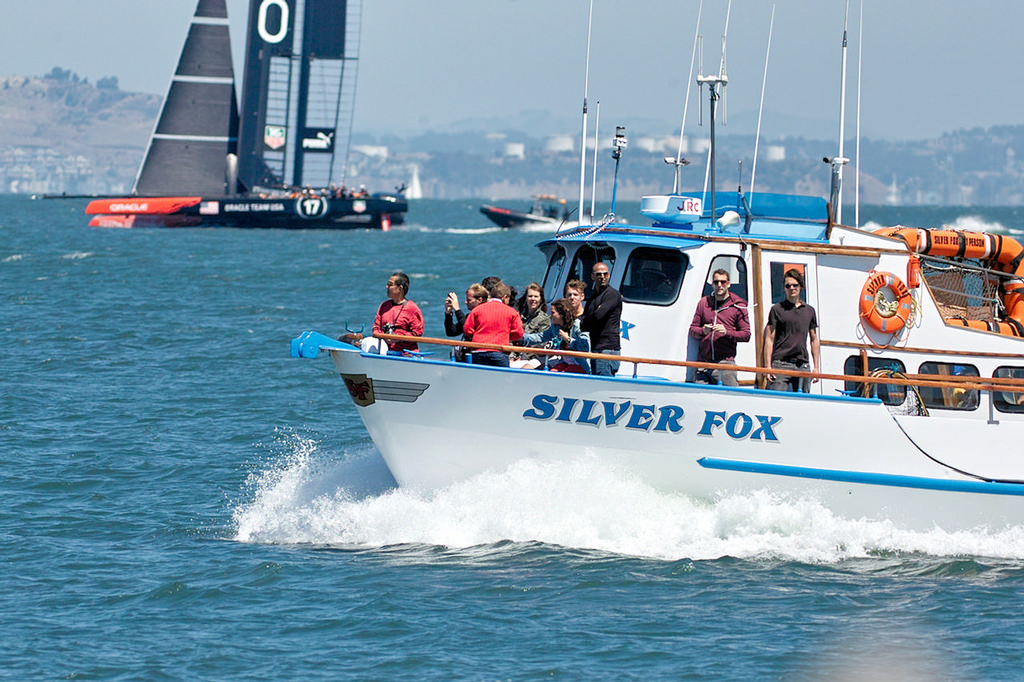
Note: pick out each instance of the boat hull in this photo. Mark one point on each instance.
(851, 454)
(379, 211)
(504, 217)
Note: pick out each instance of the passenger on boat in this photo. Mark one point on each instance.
(491, 321)
(508, 298)
(790, 323)
(454, 317)
(576, 291)
(399, 315)
(601, 319)
(720, 322)
(454, 323)
(564, 333)
(531, 309)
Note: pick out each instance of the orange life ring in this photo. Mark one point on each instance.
(877, 310)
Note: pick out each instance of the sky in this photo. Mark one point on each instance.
(433, 65)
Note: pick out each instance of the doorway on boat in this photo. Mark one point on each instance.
(770, 272)
(737, 269)
(583, 263)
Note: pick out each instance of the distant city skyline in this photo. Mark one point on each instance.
(927, 68)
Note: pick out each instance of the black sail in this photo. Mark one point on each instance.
(299, 93)
(198, 124)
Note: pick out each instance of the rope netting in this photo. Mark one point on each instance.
(963, 291)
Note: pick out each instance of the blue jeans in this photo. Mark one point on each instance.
(493, 358)
(605, 368)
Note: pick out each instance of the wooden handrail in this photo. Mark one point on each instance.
(920, 380)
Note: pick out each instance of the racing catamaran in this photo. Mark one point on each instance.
(283, 162)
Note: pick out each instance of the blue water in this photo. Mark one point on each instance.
(184, 501)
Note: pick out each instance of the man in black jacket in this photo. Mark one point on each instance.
(601, 318)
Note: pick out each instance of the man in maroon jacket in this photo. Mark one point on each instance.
(720, 322)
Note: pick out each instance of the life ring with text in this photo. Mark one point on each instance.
(885, 302)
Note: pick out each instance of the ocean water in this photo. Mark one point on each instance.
(184, 501)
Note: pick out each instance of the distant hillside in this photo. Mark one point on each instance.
(61, 129)
(59, 133)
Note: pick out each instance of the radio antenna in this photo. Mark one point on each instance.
(583, 136)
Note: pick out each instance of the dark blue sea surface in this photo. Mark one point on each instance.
(184, 501)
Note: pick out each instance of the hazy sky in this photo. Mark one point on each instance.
(928, 67)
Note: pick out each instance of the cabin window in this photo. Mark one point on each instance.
(583, 263)
(653, 276)
(737, 269)
(949, 397)
(890, 394)
(778, 272)
(1007, 401)
(555, 264)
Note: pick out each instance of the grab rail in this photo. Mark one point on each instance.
(919, 380)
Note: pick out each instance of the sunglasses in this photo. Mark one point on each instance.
(719, 281)
(791, 286)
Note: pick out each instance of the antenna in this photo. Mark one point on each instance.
(679, 161)
(716, 85)
(839, 161)
(583, 136)
(721, 64)
(593, 192)
(618, 144)
(856, 168)
(760, 108)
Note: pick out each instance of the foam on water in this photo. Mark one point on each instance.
(312, 498)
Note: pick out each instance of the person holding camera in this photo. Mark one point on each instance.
(398, 315)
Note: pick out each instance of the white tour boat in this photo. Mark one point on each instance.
(916, 415)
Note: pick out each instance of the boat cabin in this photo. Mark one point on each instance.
(939, 320)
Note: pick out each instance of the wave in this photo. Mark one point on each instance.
(310, 497)
(966, 223)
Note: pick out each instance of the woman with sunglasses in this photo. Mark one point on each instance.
(790, 323)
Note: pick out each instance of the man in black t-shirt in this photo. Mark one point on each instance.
(790, 323)
(602, 318)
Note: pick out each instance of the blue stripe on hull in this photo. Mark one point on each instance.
(984, 487)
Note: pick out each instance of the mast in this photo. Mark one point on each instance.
(716, 87)
(583, 136)
(299, 91)
(265, 132)
(839, 161)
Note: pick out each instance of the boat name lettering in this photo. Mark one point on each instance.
(740, 425)
(667, 418)
(245, 208)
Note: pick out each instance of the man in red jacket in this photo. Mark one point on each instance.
(491, 321)
(719, 322)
